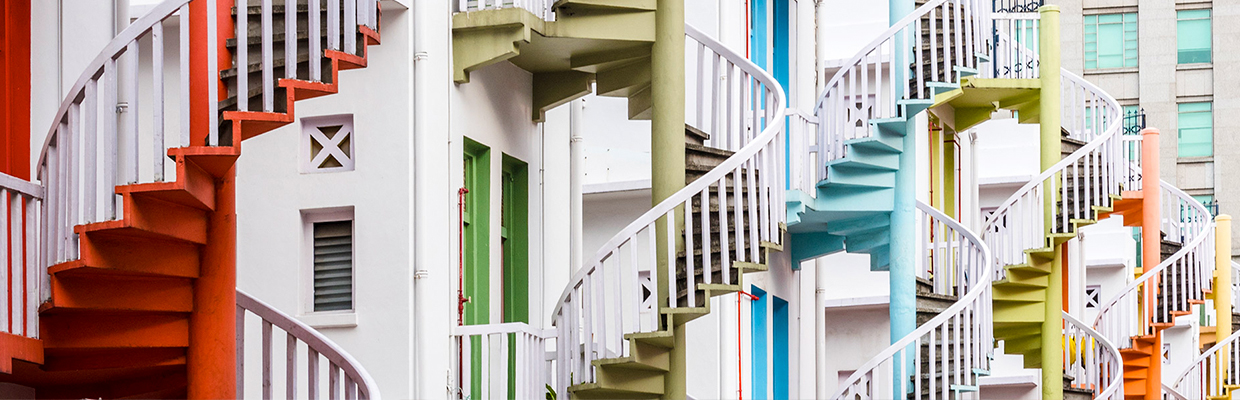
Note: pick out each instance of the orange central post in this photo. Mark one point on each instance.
(1151, 250)
(211, 360)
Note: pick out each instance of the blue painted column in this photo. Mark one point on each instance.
(903, 282)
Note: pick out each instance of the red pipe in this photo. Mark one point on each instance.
(460, 288)
(740, 388)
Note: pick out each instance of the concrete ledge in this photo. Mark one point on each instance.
(858, 302)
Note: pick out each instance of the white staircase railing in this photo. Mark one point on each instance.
(1173, 284)
(1084, 180)
(1092, 361)
(508, 360)
(20, 270)
(742, 108)
(328, 371)
(954, 344)
(865, 89)
(1212, 374)
(93, 143)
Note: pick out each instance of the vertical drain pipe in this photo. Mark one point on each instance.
(576, 122)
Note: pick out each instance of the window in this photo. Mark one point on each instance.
(1093, 296)
(328, 281)
(1192, 30)
(1196, 131)
(327, 144)
(1111, 41)
(1166, 353)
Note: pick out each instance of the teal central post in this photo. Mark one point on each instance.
(903, 275)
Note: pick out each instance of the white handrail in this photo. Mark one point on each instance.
(861, 92)
(1092, 361)
(960, 338)
(742, 113)
(1175, 283)
(1211, 372)
(357, 383)
(507, 360)
(20, 272)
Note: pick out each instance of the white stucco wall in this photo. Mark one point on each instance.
(272, 192)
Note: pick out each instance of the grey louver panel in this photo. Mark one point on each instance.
(333, 266)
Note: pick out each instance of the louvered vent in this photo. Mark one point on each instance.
(333, 266)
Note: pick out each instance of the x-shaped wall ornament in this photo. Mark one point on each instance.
(331, 146)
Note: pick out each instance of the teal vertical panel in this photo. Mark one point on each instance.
(902, 276)
(779, 351)
(759, 342)
(781, 64)
(758, 38)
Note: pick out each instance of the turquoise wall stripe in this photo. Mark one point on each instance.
(779, 351)
(759, 342)
(758, 37)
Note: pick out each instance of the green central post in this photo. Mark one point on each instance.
(667, 156)
(1049, 102)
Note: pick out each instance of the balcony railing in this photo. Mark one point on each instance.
(1017, 6)
(1134, 121)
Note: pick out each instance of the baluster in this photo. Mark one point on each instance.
(7, 197)
(131, 110)
(71, 179)
(157, 96)
(670, 226)
(269, 98)
(267, 360)
(315, 41)
(350, 388)
(240, 339)
(707, 276)
(290, 38)
(350, 27)
(333, 25)
(753, 240)
(290, 362)
(242, 63)
(184, 70)
(90, 112)
(109, 137)
(690, 269)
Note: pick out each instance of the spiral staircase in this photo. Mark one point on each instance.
(961, 90)
(136, 251)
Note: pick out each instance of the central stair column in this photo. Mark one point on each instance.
(902, 274)
(1049, 103)
(667, 158)
(1222, 281)
(1151, 251)
(211, 355)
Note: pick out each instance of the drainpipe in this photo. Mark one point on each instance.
(431, 193)
(820, 321)
(1050, 127)
(576, 151)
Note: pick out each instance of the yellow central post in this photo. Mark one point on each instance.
(1049, 102)
(1222, 284)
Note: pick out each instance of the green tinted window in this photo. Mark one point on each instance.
(1196, 133)
(1193, 36)
(1110, 41)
